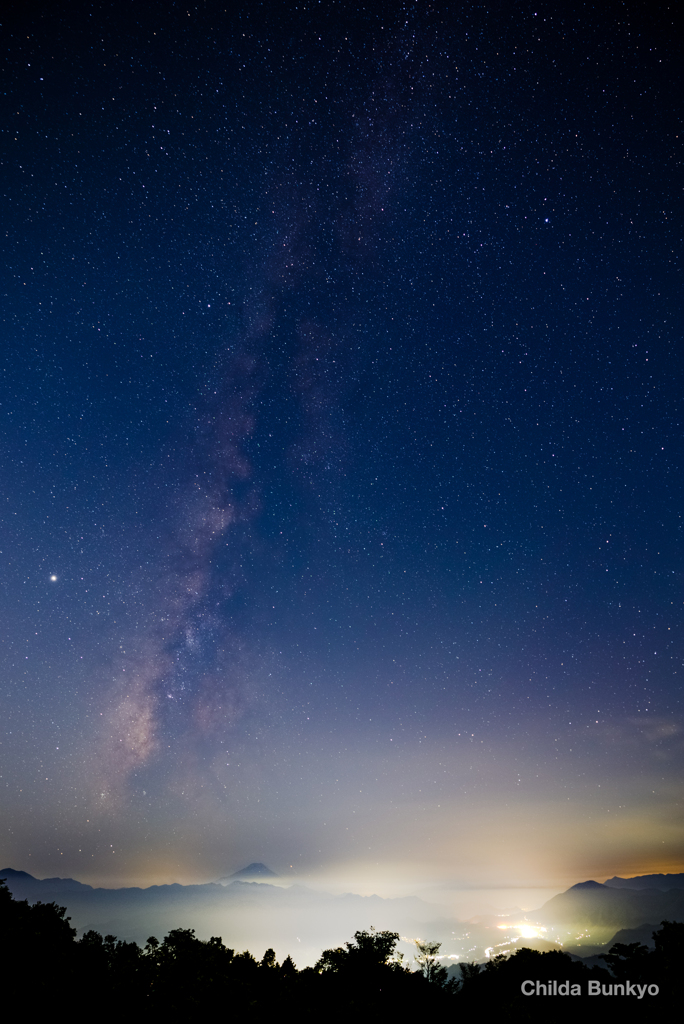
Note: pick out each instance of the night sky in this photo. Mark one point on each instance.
(341, 458)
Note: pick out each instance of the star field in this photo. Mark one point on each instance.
(342, 440)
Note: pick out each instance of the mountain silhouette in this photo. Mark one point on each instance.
(249, 911)
(603, 908)
(251, 873)
(21, 881)
(664, 882)
(292, 919)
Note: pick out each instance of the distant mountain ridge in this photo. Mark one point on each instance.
(22, 880)
(664, 882)
(590, 905)
(292, 919)
(299, 920)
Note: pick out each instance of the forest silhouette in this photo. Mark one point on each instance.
(182, 976)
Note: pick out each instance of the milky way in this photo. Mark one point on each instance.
(342, 449)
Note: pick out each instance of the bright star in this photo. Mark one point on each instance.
(54, 579)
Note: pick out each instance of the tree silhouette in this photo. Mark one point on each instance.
(268, 959)
(630, 961)
(427, 957)
(368, 952)
(36, 947)
(469, 970)
(669, 947)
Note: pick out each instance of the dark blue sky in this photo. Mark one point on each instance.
(341, 396)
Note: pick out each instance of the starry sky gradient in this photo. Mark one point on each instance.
(342, 376)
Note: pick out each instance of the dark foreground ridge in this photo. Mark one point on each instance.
(182, 976)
